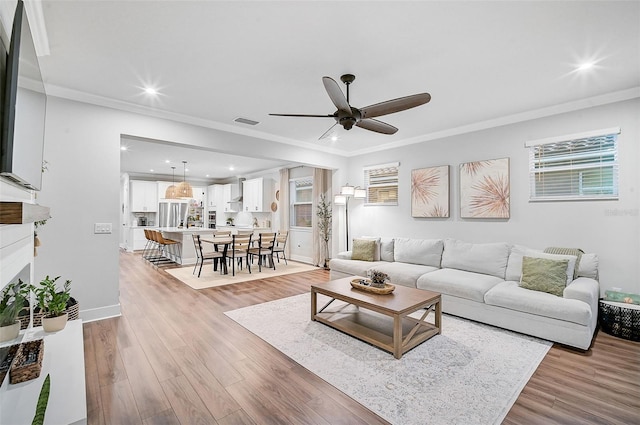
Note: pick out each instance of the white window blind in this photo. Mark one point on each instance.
(381, 184)
(578, 167)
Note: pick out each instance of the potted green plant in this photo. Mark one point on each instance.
(53, 303)
(324, 226)
(14, 298)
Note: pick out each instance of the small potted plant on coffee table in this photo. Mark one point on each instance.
(13, 300)
(53, 303)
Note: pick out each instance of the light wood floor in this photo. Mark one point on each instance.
(175, 358)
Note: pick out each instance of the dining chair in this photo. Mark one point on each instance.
(266, 242)
(222, 234)
(281, 243)
(201, 256)
(240, 249)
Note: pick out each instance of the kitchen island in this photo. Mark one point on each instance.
(184, 236)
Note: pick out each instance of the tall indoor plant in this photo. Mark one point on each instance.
(53, 303)
(14, 298)
(324, 214)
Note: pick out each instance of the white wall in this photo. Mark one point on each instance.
(608, 228)
(82, 187)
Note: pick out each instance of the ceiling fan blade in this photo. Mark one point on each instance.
(327, 133)
(303, 115)
(377, 126)
(395, 105)
(336, 95)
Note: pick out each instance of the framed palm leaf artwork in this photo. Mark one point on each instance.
(484, 189)
(430, 192)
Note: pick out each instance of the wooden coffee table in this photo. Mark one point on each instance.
(381, 320)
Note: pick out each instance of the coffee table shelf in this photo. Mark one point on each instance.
(381, 320)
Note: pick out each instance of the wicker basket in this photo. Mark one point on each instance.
(388, 288)
(28, 362)
(72, 311)
(7, 355)
(620, 320)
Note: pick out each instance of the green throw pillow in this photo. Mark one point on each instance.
(542, 274)
(363, 249)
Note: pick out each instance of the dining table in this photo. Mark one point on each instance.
(223, 242)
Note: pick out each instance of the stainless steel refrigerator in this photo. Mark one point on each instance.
(173, 214)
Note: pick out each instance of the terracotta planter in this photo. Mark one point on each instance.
(54, 324)
(7, 333)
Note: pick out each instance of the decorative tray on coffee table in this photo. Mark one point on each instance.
(365, 285)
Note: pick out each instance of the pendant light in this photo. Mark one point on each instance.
(184, 189)
(172, 191)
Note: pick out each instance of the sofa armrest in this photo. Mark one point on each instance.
(344, 255)
(584, 289)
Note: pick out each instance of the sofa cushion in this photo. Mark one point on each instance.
(427, 252)
(514, 266)
(364, 249)
(404, 274)
(485, 258)
(386, 249)
(542, 274)
(458, 283)
(510, 295)
(353, 267)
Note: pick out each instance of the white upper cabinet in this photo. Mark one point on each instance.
(198, 194)
(144, 196)
(215, 193)
(256, 195)
(229, 193)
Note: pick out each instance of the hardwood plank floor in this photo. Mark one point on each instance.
(173, 357)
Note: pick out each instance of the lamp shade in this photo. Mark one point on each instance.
(360, 193)
(171, 192)
(340, 200)
(347, 190)
(185, 190)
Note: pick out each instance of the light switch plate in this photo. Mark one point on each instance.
(102, 228)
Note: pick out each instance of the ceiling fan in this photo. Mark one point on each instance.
(348, 116)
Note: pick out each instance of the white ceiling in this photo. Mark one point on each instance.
(484, 63)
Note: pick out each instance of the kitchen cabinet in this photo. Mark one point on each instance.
(198, 194)
(215, 196)
(144, 196)
(229, 193)
(256, 195)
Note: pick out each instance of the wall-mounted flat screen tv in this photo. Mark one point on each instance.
(24, 107)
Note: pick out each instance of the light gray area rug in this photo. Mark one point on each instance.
(471, 374)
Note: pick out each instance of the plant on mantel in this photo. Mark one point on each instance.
(53, 303)
(14, 298)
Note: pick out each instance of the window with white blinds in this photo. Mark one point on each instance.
(300, 191)
(381, 184)
(577, 167)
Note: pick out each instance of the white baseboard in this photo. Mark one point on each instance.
(101, 313)
(301, 259)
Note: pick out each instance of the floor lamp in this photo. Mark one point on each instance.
(347, 192)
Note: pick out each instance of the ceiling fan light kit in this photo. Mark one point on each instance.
(348, 116)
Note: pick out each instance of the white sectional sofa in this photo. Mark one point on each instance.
(481, 281)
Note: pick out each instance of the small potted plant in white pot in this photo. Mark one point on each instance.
(53, 303)
(13, 300)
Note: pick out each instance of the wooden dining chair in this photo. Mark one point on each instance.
(222, 234)
(201, 256)
(264, 250)
(239, 251)
(281, 243)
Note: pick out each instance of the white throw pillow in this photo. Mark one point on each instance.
(427, 252)
(588, 266)
(386, 249)
(514, 268)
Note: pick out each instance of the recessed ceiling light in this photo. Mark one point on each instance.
(167, 161)
(585, 66)
(186, 169)
(334, 138)
(207, 175)
(123, 148)
(151, 170)
(150, 90)
(231, 168)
